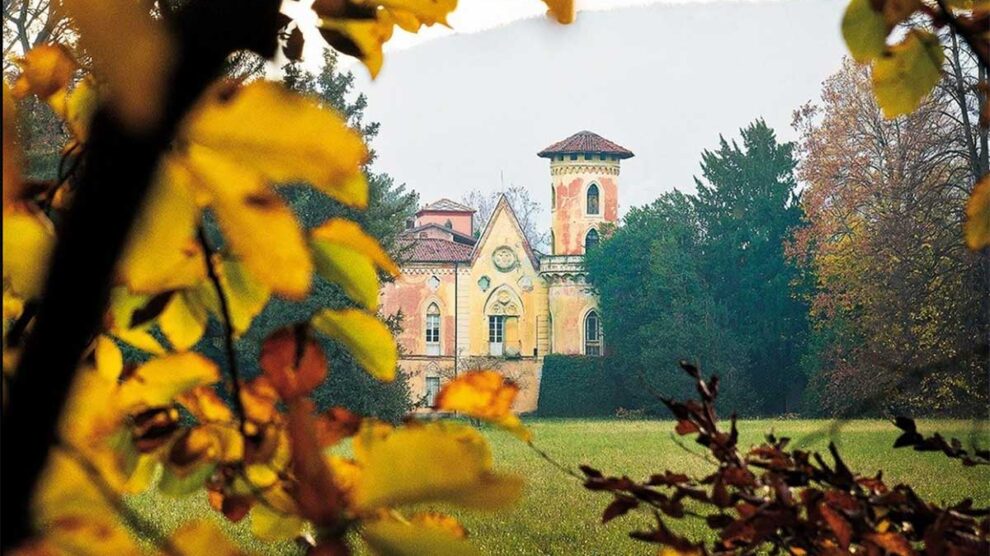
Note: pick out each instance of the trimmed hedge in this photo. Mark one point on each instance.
(577, 386)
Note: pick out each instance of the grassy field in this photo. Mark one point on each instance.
(557, 516)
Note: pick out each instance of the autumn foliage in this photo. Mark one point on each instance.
(171, 419)
(772, 498)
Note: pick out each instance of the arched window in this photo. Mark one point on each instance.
(448, 224)
(591, 240)
(433, 329)
(592, 334)
(593, 199)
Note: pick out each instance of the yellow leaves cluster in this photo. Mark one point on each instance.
(484, 395)
(904, 73)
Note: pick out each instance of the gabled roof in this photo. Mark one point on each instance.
(458, 236)
(503, 205)
(585, 142)
(433, 250)
(445, 205)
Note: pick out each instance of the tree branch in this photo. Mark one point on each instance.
(119, 168)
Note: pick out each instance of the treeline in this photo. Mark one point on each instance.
(823, 277)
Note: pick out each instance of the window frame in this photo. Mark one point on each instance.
(593, 187)
(431, 329)
(593, 347)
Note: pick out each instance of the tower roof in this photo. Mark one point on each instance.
(584, 142)
(445, 205)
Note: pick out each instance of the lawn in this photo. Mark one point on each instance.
(557, 516)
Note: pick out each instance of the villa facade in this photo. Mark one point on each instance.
(471, 301)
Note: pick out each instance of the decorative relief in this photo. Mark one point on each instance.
(433, 282)
(503, 304)
(484, 283)
(505, 258)
(612, 170)
(526, 283)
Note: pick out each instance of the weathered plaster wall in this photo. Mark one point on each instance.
(460, 221)
(526, 372)
(570, 181)
(569, 301)
(412, 292)
(520, 279)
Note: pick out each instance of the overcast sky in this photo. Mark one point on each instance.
(470, 108)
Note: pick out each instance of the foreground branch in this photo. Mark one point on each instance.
(116, 175)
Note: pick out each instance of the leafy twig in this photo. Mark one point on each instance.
(228, 331)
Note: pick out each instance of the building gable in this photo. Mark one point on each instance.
(503, 230)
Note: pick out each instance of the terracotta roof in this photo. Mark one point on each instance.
(446, 205)
(433, 250)
(585, 142)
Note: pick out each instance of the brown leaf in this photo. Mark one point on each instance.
(293, 362)
(294, 45)
(891, 542)
(839, 525)
(685, 427)
(620, 506)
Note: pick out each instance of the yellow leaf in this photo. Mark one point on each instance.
(160, 381)
(205, 405)
(905, 76)
(261, 229)
(270, 525)
(123, 303)
(183, 321)
(389, 537)
(76, 107)
(864, 31)
(362, 38)
(162, 253)
(484, 395)
(429, 462)
(349, 234)
(671, 551)
(561, 10)
(368, 339)
(203, 537)
(347, 256)
(45, 70)
(109, 359)
(977, 226)
(136, 63)
(246, 296)
(28, 239)
(12, 159)
(427, 12)
(285, 137)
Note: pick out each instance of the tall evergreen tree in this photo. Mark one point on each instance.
(389, 205)
(747, 208)
(657, 308)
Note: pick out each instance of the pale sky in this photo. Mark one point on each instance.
(468, 109)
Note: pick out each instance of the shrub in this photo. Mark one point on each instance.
(577, 386)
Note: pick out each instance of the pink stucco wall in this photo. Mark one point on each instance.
(460, 221)
(571, 221)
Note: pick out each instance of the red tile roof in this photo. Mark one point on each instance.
(433, 250)
(446, 205)
(584, 142)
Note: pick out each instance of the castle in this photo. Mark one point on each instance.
(466, 300)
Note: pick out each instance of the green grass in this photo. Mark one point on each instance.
(557, 516)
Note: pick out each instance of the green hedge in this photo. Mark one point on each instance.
(577, 386)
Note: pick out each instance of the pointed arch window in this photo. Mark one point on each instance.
(593, 199)
(592, 334)
(433, 329)
(591, 240)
